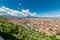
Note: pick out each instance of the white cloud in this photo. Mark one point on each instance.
(27, 13)
(22, 13)
(19, 4)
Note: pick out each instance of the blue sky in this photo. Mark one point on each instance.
(41, 7)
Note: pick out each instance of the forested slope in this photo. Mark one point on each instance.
(11, 31)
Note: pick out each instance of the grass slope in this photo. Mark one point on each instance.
(11, 31)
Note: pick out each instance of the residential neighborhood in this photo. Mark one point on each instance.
(48, 26)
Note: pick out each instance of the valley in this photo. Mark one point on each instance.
(48, 26)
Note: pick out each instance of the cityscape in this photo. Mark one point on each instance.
(29, 19)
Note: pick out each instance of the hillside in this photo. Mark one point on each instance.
(11, 31)
(14, 29)
(48, 26)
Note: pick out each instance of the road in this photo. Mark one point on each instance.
(1, 38)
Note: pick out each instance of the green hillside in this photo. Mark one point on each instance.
(11, 31)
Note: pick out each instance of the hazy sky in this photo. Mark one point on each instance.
(41, 7)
